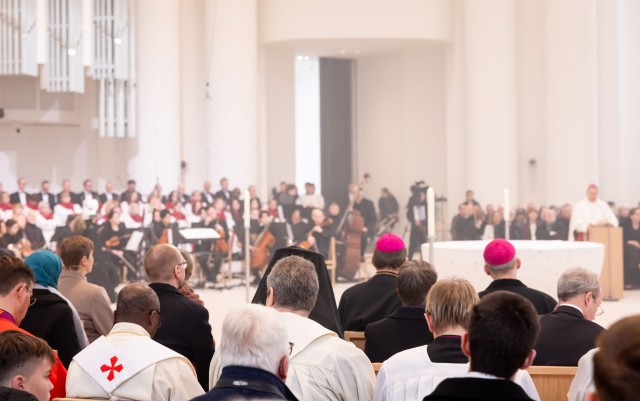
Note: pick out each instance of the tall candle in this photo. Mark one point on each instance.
(506, 210)
(247, 209)
(431, 213)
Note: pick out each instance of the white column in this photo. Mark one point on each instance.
(193, 77)
(232, 115)
(571, 98)
(157, 156)
(491, 109)
(629, 81)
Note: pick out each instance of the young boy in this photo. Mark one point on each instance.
(25, 364)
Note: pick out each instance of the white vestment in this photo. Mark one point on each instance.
(128, 365)
(585, 213)
(582, 383)
(410, 375)
(61, 213)
(322, 366)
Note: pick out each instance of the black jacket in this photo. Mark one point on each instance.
(403, 329)
(11, 394)
(185, 329)
(368, 302)
(14, 198)
(565, 336)
(103, 197)
(472, 388)
(243, 383)
(51, 319)
(542, 302)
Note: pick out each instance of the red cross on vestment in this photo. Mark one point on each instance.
(111, 369)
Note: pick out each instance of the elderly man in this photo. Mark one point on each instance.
(127, 363)
(185, 328)
(406, 326)
(414, 373)
(16, 289)
(376, 298)
(502, 264)
(503, 324)
(590, 212)
(322, 366)
(254, 358)
(569, 332)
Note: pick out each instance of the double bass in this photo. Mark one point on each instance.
(350, 233)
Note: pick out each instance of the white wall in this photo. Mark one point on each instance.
(402, 122)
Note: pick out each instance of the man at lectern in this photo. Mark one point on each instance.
(590, 212)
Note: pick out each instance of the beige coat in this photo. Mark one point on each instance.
(91, 302)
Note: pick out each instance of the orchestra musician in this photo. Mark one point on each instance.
(214, 217)
(320, 233)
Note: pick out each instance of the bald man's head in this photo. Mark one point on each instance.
(140, 305)
(160, 263)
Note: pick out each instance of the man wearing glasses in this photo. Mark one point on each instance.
(185, 326)
(16, 290)
(127, 363)
(569, 332)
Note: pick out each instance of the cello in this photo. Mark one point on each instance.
(350, 231)
(260, 251)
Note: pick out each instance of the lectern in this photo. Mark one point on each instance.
(612, 276)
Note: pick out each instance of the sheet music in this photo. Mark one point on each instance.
(199, 233)
(419, 212)
(134, 241)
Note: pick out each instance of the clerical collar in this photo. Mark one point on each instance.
(7, 316)
(386, 273)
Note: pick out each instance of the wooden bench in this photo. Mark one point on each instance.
(552, 382)
(356, 337)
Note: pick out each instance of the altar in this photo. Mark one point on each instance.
(542, 261)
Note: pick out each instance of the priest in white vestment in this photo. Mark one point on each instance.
(589, 212)
(413, 374)
(127, 363)
(322, 366)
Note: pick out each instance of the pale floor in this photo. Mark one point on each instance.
(219, 302)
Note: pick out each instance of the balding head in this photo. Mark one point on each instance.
(138, 304)
(163, 263)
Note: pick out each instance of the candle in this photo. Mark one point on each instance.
(431, 213)
(247, 209)
(506, 211)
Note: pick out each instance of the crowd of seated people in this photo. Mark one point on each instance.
(159, 345)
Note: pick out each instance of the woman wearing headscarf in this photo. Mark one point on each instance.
(52, 317)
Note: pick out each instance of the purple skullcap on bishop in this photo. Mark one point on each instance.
(389, 243)
(499, 252)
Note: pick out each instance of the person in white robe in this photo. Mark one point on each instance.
(414, 373)
(322, 366)
(127, 363)
(589, 212)
(582, 383)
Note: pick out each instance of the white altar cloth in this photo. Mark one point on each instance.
(542, 261)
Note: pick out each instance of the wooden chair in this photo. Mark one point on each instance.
(332, 261)
(376, 367)
(552, 382)
(356, 337)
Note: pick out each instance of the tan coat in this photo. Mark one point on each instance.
(90, 300)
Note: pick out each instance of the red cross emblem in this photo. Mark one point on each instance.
(111, 369)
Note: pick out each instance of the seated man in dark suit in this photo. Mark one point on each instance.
(568, 332)
(502, 265)
(185, 326)
(406, 327)
(503, 329)
(376, 298)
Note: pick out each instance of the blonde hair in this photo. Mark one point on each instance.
(449, 303)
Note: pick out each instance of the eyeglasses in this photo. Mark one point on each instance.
(33, 299)
(290, 347)
(183, 264)
(600, 311)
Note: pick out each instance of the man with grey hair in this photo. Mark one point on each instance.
(322, 366)
(569, 332)
(502, 264)
(127, 363)
(254, 356)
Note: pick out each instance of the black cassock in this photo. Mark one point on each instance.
(325, 311)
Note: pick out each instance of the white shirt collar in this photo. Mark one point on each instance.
(573, 306)
(480, 375)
